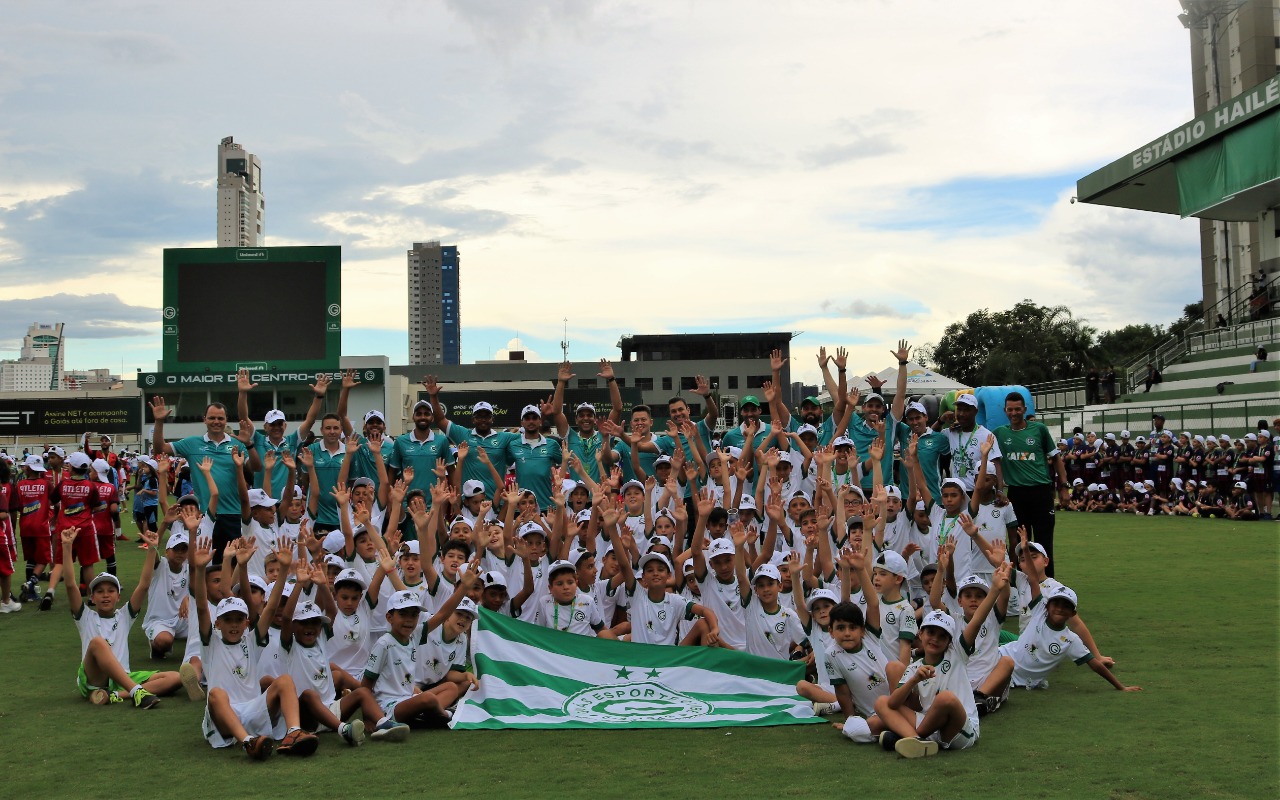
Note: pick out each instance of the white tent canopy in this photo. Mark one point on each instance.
(919, 380)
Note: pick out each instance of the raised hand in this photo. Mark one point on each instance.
(353, 445)
(876, 450)
(701, 386)
(191, 517)
(823, 358)
(430, 383)
(903, 352)
(201, 551)
(776, 361)
(206, 465)
(547, 408)
(286, 457)
(162, 464)
(321, 387)
(349, 379)
(441, 469)
(242, 381)
(986, 444)
(340, 495)
(606, 369)
(842, 358)
(769, 391)
(565, 373)
(853, 396)
(159, 411)
(268, 458)
(307, 458)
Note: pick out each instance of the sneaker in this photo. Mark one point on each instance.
(191, 681)
(101, 697)
(980, 700)
(390, 731)
(9, 606)
(259, 747)
(352, 732)
(144, 699)
(993, 703)
(888, 739)
(46, 602)
(298, 743)
(916, 747)
(32, 593)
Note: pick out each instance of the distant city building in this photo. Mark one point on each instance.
(241, 206)
(434, 308)
(39, 364)
(652, 369)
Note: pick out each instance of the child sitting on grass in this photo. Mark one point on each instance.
(104, 676)
(1046, 641)
(238, 711)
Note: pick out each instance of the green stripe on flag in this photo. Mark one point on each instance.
(533, 677)
(714, 659)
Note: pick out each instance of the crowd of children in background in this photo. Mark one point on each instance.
(343, 601)
(1183, 474)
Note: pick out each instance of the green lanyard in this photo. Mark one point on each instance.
(556, 617)
(963, 466)
(946, 529)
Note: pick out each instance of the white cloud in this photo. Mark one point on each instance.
(635, 167)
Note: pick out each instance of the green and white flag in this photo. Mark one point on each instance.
(534, 677)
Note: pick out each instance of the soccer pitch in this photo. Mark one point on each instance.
(1187, 607)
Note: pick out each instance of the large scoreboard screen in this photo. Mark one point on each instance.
(260, 308)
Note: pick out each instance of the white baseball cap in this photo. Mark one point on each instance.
(481, 406)
(767, 571)
(332, 560)
(806, 428)
(842, 441)
(892, 491)
(659, 541)
(973, 581)
(421, 404)
(177, 538)
(585, 407)
(274, 415)
(577, 554)
(914, 406)
(872, 396)
(560, 566)
(103, 577)
(35, 463)
(472, 488)
(583, 516)
(967, 400)
(307, 610)
(81, 461)
(747, 501)
(820, 594)
(1239, 485)
(629, 484)
(350, 576)
(940, 619)
(1111, 437)
(720, 547)
(258, 498)
(530, 409)
(334, 541)
(647, 557)
(410, 548)
(1017, 551)
(662, 459)
(403, 600)
(230, 605)
(1124, 434)
(530, 528)
(492, 578)
(891, 561)
(1061, 592)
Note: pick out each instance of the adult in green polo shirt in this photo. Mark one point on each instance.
(362, 463)
(327, 456)
(482, 436)
(534, 456)
(931, 446)
(585, 440)
(216, 445)
(641, 437)
(1030, 460)
(420, 448)
(272, 437)
(748, 412)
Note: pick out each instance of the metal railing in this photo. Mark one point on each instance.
(1262, 332)
(1066, 393)
(1232, 418)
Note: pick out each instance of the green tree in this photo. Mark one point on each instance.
(1029, 343)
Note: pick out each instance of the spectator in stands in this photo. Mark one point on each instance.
(1258, 358)
(1091, 382)
(1153, 377)
(1109, 385)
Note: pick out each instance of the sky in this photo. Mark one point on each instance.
(857, 172)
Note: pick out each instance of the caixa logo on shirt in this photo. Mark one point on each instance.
(635, 702)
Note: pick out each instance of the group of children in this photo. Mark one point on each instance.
(897, 617)
(1184, 474)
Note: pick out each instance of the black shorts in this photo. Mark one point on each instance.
(145, 516)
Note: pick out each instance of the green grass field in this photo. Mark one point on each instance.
(1154, 592)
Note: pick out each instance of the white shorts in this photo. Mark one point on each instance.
(255, 718)
(192, 649)
(176, 627)
(966, 738)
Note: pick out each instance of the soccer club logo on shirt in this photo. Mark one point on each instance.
(320, 675)
(889, 617)
(945, 666)
(873, 680)
(1055, 649)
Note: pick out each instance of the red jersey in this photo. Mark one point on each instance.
(76, 499)
(33, 498)
(101, 509)
(9, 504)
